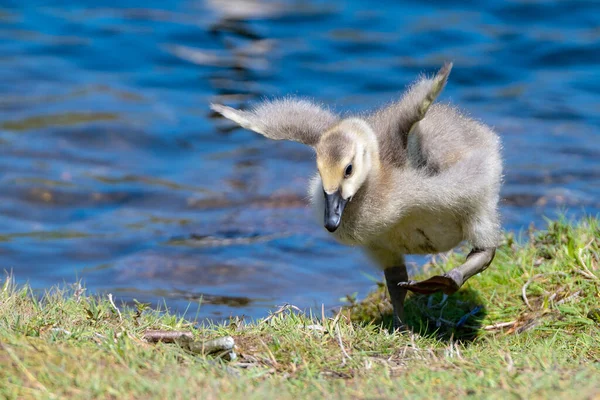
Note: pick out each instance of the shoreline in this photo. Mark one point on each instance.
(529, 326)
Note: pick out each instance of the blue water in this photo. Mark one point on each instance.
(113, 170)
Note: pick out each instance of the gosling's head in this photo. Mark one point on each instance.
(346, 156)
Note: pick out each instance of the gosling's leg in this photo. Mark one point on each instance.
(477, 261)
(393, 277)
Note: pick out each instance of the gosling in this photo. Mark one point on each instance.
(411, 178)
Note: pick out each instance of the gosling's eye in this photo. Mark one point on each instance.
(348, 171)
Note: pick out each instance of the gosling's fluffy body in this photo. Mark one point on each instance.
(442, 189)
(410, 178)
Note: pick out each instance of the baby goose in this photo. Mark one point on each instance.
(411, 178)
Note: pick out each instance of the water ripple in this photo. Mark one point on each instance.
(114, 170)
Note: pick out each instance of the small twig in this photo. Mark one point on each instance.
(167, 336)
(112, 303)
(499, 325)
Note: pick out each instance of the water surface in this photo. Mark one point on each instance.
(113, 169)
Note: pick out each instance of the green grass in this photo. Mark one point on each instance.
(67, 344)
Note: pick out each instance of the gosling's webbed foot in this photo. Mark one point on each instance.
(450, 282)
(447, 283)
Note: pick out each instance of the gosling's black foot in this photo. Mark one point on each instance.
(447, 283)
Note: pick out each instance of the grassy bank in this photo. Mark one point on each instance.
(525, 328)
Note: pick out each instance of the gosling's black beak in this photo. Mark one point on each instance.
(334, 207)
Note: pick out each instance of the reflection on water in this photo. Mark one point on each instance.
(114, 170)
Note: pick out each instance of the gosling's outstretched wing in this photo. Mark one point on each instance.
(394, 122)
(283, 119)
